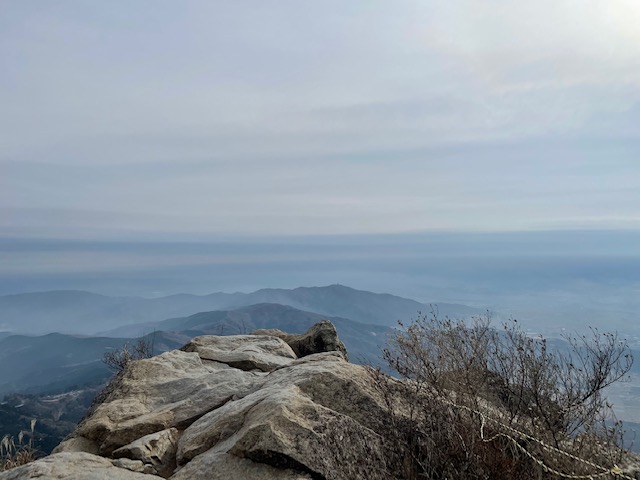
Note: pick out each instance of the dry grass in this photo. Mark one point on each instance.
(16, 453)
(479, 403)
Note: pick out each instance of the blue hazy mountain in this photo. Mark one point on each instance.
(56, 362)
(89, 313)
(363, 341)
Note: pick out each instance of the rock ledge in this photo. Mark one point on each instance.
(265, 406)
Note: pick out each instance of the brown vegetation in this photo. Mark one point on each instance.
(119, 359)
(478, 402)
(13, 454)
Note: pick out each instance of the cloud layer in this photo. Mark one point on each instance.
(208, 118)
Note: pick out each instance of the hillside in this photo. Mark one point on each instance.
(56, 415)
(53, 362)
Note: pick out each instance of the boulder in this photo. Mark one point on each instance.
(134, 465)
(156, 450)
(321, 337)
(74, 466)
(283, 428)
(318, 417)
(246, 352)
(170, 390)
(77, 444)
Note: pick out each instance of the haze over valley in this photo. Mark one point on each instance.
(548, 280)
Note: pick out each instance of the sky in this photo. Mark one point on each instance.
(444, 150)
(200, 119)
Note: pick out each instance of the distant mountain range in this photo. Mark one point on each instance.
(88, 313)
(56, 362)
(363, 341)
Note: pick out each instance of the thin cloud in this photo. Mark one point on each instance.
(318, 117)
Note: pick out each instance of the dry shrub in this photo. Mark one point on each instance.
(119, 359)
(478, 402)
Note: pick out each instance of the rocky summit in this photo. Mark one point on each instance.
(264, 406)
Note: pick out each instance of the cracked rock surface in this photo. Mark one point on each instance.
(263, 406)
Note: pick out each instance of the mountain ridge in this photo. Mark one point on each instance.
(43, 363)
(42, 312)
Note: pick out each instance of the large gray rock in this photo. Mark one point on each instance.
(283, 428)
(302, 418)
(246, 352)
(321, 337)
(74, 466)
(170, 390)
(156, 450)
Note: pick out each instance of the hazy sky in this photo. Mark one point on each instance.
(199, 118)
